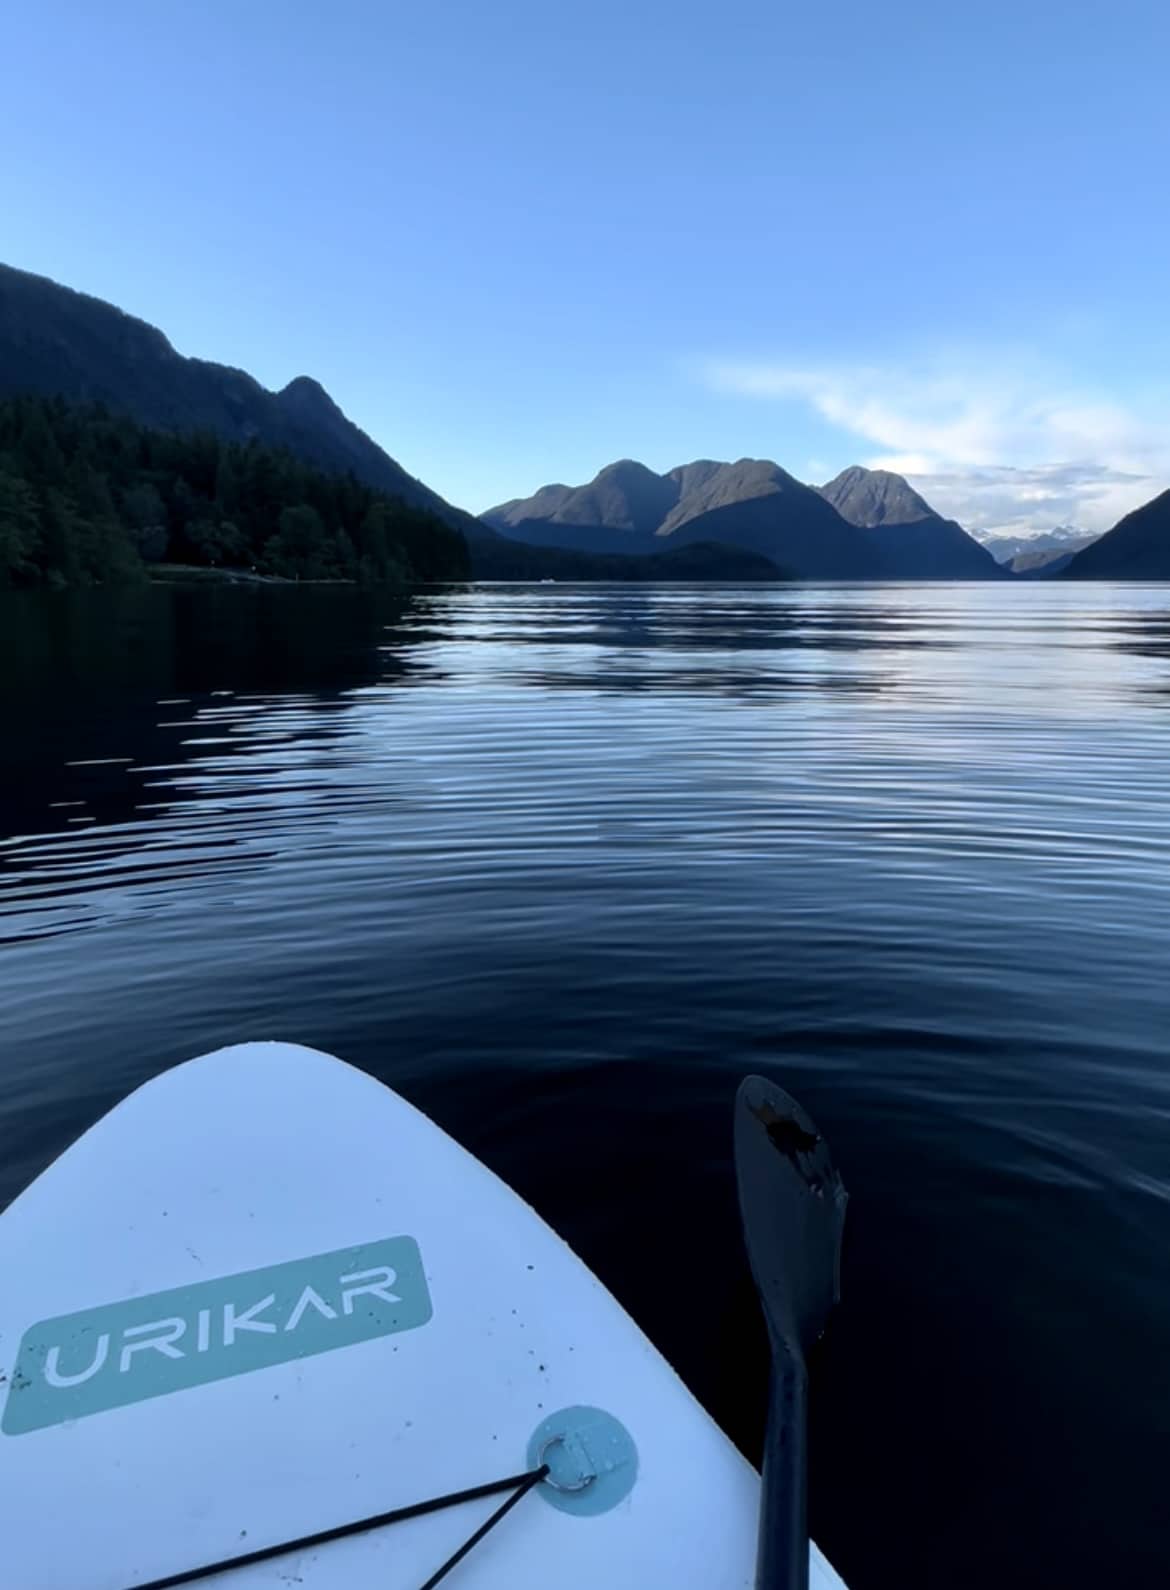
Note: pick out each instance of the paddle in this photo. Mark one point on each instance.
(792, 1206)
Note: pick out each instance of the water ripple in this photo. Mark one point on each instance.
(563, 861)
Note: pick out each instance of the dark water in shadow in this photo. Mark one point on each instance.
(562, 862)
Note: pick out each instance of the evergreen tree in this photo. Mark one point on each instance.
(19, 531)
(145, 516)
(297, 550)
(217, 541)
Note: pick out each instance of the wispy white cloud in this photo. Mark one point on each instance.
(1000, 445)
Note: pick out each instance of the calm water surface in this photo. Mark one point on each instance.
(562, 862)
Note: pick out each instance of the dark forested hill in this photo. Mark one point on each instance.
(498, 558)
(87, 496)
(1137, 548)
(58, 342)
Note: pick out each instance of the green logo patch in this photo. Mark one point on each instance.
(79, 1364)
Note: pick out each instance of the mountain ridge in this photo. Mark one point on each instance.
(887, 530)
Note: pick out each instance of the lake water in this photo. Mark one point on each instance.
(562, 862)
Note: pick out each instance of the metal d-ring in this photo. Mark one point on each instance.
(582, 1484)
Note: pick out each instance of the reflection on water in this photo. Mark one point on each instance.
(562, 862)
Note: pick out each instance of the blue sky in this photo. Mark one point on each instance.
(518, 240)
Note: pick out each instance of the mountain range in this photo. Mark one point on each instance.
(865, 524)
(55, 342)
(705, 519)
(1041, 555)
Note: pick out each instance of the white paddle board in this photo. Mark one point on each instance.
(265, 1297)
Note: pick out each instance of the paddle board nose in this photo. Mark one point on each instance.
(265, 1298)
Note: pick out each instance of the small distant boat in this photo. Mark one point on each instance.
(548, 580)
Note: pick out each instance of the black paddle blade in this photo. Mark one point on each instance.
(792, 1205)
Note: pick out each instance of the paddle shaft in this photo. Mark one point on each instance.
(782, 1552)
